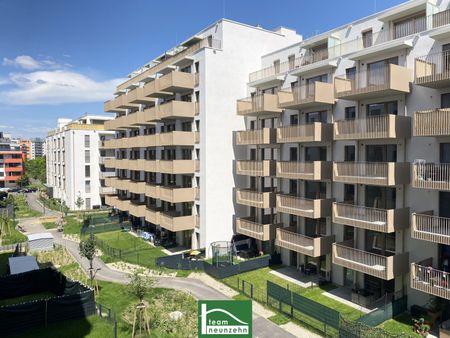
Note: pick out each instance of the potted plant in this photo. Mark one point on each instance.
(420, 327)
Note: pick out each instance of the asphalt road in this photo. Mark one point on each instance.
(32, 200)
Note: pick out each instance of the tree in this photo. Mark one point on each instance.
(36, 169)
(87, 250)
(138, 287)
(79, 204)
(23, 181)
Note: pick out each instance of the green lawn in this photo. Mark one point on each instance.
(22, 210)
(12, 235)
(134, 250)
(259, 280)
(49, 225)
(400, 324)
(27, 298)
(279, 319)
(72, 226)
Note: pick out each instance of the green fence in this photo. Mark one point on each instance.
(355, 329)
(388, 311)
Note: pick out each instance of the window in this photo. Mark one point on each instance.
(349, 153)
(293, 154)
(87, 156)
(293, 120)
(315, 154)
(292, 187)
(87, 141)
(367, 38)
(87, 186)
(377, 109)
(186, 126)
(310, 83)
(377, 72)
(88, 203)
(276, 66)
(350, 113)
(349, 193)
(410, 25)
(316, 116)
(291, 61)
(87, 171)
(252, 125)
(350, 73)
(294, 85)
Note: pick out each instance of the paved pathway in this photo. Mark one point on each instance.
(33, 202)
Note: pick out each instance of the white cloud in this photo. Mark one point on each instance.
(56, 87)
(23, 61)
(3, 81)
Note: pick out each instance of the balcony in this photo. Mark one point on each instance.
(311, 246)
(136, 187)
(132, 120)
(258, 104)
(305, 207)
(152, 190)
(314, 132)
(383, 81)
(427, 279)
(381, 220)
(312, 171)
(374, 127)
(137, 209)
(256, 199)
(177, 138)
(176, 82)
(312, 95)
(430, 228)
(152, 215)
(176, 194)
(434, 176)
(432, 123)
(118, 104)
(106, 174)
(107, 191)
(433, 70)
(172, 110)
(177, 166)
(177, 223)
(248, 227)
(137, 96)
(384, 267)
(102, 159)
(264, 168)
(259, 136)
(371, 173)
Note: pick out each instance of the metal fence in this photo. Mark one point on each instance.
(106, 313)
(383, 313)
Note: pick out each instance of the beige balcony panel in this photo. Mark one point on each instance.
(264, 168)
(433, 70)
(107, 191)
(137, 95)
(152, 190)
(314, 132)
(429, 280)
(137, 210)
(152, 216)
(258, 104)
(381, 220)
(434, 122)
(435, 176)
(371, 173)
(430, 228)
(137, 187)
(177, 138)
(118, 183)
(391, 80)
(114, 201)
(262, 232)
(314, 247)
(260, 136)
(111, 107)
(384, 267)
(121, 102)
(177, 223)
(375, 127)
(177, 166)
(151, 166)
(255, 199)
(177, 194)
(312, 171)
(172, 110)
(106, 174)
(151, 89)
(110, 163)
(132, 120)
(317, 94)
(176, 82)
(311, 208)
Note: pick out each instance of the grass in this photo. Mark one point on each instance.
(22, 209)
(12, 235)
(259, 280)
(400, 324)
(3, 261)
(134, 250)
(72, 226)
(27, 298)
(49, 225)
(279, 319)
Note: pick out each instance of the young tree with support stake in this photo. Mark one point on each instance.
(138, 286)
(87, 250)
(79, 204)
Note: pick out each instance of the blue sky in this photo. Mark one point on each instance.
(61, 58)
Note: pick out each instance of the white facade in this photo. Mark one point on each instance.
(73, 161)
(37, 148)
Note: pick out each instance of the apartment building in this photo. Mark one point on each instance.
(11, 162)
(347, 145)
(25, 147)
(174, 120)
(37, 148)
(75, 161)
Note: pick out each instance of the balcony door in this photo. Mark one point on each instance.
(315, 154)
(445, 100)
(381, 153)
(380, 197)
(315, 190)
(316, 116)
(310, 83)
(444, 152)
(377, 72)
(446, 57)
(382, 108)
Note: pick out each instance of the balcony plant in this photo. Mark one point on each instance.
(420, 327)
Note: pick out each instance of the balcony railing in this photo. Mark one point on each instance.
(262, 232)
(381, 220)
(311, 208)
(311, 246)
(431, 176)
(259, 136)
(434, 122)
(314, 132)
(177, 223)
(373, 127)
(371, 173)
(433, 70)
(258, 104)
(384, 80)
(176, 194)
(384, 267)
(255, 199)
(313, 171)
(429, 280)
(314, 94)
(171, 110)
(430, 228)
(255, 168)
